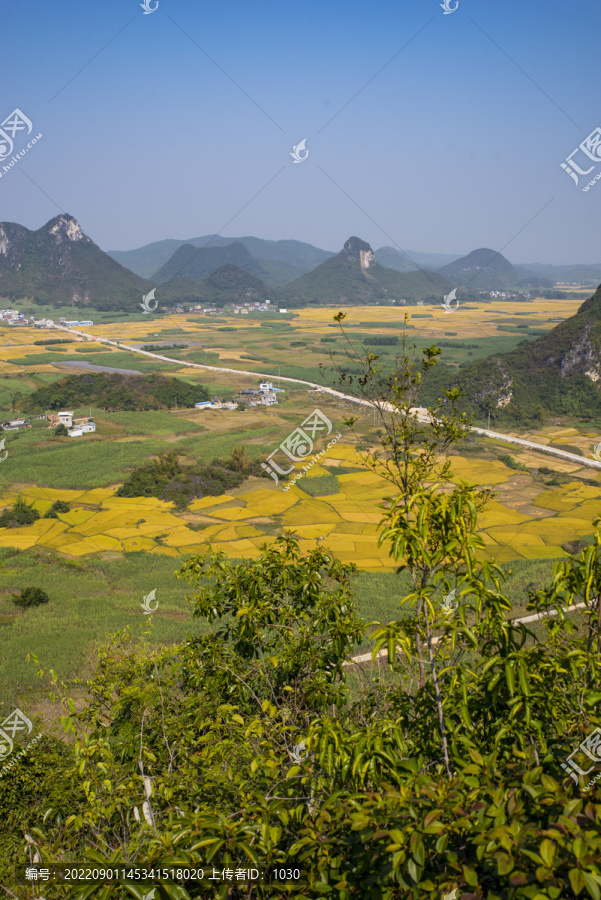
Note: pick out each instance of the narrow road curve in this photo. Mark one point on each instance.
(367, 657)
(493, 435)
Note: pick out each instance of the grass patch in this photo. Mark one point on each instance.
(320, 485)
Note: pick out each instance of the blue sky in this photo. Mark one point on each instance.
(183, 124)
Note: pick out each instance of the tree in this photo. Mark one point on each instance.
(21, 513)
(31, 596)
(61, 430)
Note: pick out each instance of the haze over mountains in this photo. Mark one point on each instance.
(60, 264)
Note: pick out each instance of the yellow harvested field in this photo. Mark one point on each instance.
(506, 534)
(269, 503)
(345, 522)
(181, 537)
(168, 551)
(97, 496)
(76, 516)
(479, 471)
(139, 543)
(19, 541)
(51, 494)
(207, 502)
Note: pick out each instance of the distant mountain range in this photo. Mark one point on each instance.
(227, 284)
(485, 269)
(411, 260)
(294, 257)
(589, 275)
(58, 264)
(194, 263)
(558, 372)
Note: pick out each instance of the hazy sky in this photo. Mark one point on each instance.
(447, 131)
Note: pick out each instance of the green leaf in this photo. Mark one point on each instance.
(576, 880)
(592, 885)
(547, 851)
(470, 876)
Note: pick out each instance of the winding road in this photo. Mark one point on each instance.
(493, 435)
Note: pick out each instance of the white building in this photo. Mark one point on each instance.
(84, 428)
(65, 418)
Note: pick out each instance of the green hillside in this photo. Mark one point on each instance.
(558, 372)
(353, 276)
(59, 264)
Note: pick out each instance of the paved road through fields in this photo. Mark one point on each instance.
(493, 435)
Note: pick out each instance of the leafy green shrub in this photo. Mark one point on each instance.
(61, 430)
(30, 596)
(512, 463)
(21, 513)
(298, 343)
(384, 340)
(167, 479)
(59, 506)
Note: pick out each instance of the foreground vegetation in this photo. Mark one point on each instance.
(256, 744)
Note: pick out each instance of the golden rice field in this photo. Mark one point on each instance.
(522, 522)
(475, 320)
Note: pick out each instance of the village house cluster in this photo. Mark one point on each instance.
(75, 427)
(13, 317)
(264, 395)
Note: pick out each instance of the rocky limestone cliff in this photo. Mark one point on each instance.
(65, 227)
(359, 251)
(582, 357)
